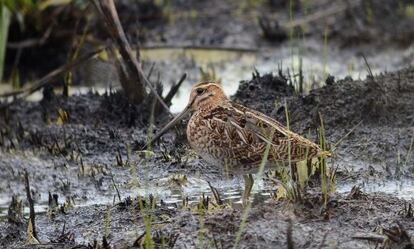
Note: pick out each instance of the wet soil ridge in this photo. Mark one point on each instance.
(381, 109)
(375, 22)
(353, 221)
(385, 99)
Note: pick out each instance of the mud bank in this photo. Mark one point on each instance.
(378, 110)
(87, 150)
(358, 220)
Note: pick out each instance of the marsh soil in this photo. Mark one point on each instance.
(378, 110)
(87, 149)
(80, 147)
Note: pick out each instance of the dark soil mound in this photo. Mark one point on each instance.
(373, 21)
(383, 105)
(84, 123)
(261, 92)
(386, 99)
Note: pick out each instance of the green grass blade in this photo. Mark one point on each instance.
(4, 30)
(248, 207)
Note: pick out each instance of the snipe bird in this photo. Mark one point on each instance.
(235, 137)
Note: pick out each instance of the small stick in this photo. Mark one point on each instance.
(108, 10)
(32, 214)
(32, 42)
(49, 77)
(323, 240)
(116, 188)
(174, 89)
(195, 47)
(150, 71)
(289, 238)
(368, 67)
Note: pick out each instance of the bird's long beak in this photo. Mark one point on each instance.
(186, 111)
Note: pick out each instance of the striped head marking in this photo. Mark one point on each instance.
(206, 95)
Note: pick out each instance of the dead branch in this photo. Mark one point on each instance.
(31, 42)
(133, 66)
(48, 78)
(289, 236)
(32, 214)
(174, 89)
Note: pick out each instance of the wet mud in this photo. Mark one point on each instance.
(378, 110)
(95, 187)
(91, 158)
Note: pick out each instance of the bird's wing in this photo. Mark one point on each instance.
(285, 143)
(244, 133)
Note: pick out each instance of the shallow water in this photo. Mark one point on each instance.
(231, 66)
(402, 188)
(162, 189)
(230, 191)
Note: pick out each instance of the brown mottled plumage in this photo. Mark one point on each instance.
(228, 134)
(235, 137)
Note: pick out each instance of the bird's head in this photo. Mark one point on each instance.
(205, 95)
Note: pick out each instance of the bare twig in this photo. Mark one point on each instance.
(373, 237)
(368, 67)
(174, 89)
(32, 42)
(289, 237)
(108, 11)
(323, 240)
(335, 146)
(116, 188)
(201, 47)
(151, 70)
(49, 77)
(32, 214)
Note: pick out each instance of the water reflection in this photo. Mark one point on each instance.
(230, 192)
(231, 66)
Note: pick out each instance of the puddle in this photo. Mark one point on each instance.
(230, 191)
(230, 67)
(403, 188)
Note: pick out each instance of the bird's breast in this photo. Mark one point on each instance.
(202, 137)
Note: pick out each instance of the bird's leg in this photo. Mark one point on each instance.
(248, 185)
(294, 171)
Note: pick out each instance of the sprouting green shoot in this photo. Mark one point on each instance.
(325, 53)
(107, 222)
(246, 211)
(5, 17)
(322, 163)
(291, 33)
(201, 230)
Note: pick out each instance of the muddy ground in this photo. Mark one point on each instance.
(87, 149)
(75, 158)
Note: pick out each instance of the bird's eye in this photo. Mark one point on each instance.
(200, 91)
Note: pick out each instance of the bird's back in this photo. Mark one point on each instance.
(235, 137)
